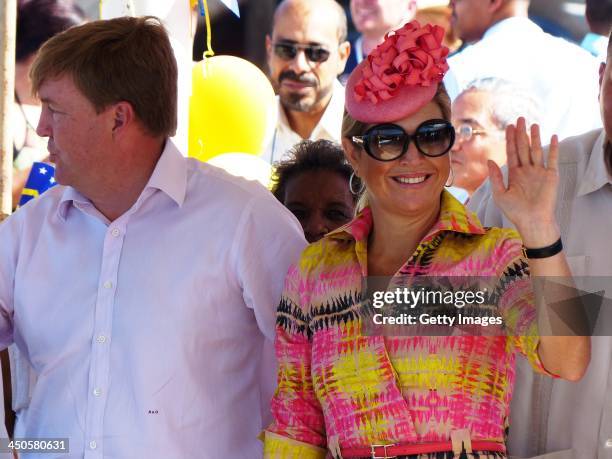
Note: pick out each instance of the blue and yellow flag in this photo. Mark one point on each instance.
(41, 178)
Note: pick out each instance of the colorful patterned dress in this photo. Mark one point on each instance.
(339, 388)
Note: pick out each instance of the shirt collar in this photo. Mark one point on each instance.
(359, 49)
(596, 173)
(69, 198)
(454, 216)
(510, 25)
(169, 176)
(331, 121)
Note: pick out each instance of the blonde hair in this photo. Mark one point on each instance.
(351, 127)
(123, 59)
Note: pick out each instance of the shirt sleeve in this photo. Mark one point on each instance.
(517, 301)
(9, 246)
(269, 239)
(298, 429)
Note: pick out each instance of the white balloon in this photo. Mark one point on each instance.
(244, 165)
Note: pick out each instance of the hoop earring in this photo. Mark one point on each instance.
(352, 185)
(452, 178)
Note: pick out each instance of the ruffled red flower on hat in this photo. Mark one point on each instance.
(409, 58)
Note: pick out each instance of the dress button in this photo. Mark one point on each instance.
(608, 443)
(101, 339)
(115, 232)
(93, 444)
(97, 392)
(108, 284)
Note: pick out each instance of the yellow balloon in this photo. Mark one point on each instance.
(243, 165)
(232, 108)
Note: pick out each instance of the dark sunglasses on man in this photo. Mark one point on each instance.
(288, 50)
(388, 142)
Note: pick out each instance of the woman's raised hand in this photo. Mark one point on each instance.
(530, 197)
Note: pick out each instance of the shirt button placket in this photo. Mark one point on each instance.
(113, 244)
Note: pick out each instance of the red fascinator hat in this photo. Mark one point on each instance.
(400, 76)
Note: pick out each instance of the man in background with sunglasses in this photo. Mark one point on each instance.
(481, 114)
(307, 50)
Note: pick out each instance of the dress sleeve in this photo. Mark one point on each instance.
(298, 429)
(517, 301)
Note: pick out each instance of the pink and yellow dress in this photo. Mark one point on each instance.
(339, 389)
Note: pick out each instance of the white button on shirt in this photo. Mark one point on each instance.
(562, 76)
(195, 278)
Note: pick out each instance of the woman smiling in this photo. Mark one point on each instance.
(344, 393)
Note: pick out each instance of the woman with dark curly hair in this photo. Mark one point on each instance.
(313, 183)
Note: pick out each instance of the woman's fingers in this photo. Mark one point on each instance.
(511, 154)
(537, 156)
(553, 153)
(522, 142)
(497, 180)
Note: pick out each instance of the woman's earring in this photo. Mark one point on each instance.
(452, 178)
(352, 185)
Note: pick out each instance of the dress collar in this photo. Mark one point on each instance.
(454, 216)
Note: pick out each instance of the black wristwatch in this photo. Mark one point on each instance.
(544, 252)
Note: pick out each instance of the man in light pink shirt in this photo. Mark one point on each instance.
(142, 290)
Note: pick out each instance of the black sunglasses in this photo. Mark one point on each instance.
(288, 50)
(387, 142)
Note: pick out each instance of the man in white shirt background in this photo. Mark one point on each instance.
(506, 44)
(373, 19)
(550, 417)
(306, 51)
(142, 289)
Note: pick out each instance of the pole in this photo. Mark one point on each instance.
(8, 26)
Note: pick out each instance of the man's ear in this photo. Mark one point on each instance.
(344, 51)
(352, 153)
(602, 72)
(123, 116)
(496, 5)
